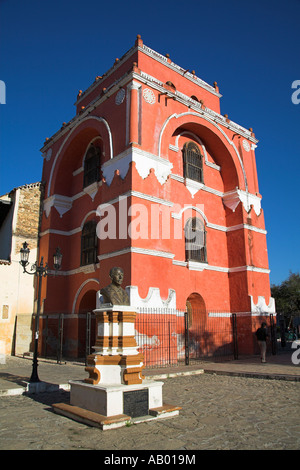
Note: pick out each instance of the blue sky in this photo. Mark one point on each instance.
(51, 49)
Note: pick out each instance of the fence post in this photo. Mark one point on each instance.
(186, 335)
(46, 337)
(234, 335)
(60, 337)
(273, 335)
(87, 336)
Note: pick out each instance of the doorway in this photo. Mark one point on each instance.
(196, 311)
(86, 323)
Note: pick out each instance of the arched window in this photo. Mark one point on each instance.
(195, 240)
(89, 243)
(91, 165)
(192, 162)
(171, 85)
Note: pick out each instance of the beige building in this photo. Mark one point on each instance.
(19, 222)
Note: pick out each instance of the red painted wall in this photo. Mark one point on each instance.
(237, 264)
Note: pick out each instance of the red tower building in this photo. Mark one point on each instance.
(149, 176)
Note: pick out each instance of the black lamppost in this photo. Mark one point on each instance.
(40, 271)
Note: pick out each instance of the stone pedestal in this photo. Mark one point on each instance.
(115, 393)
(116, 358)
(111, 400)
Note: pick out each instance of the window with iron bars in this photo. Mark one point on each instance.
(91, 166)
(89, 243)
(192, 162)
(195, 240)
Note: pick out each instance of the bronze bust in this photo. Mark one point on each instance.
(114, 294)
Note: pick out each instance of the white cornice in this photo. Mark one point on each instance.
(191, 265)
(176, 68)
(197, 266)
(106, 75)
(159, 58)
(68, 203)
(141, 251)
(89, 268)
(158, 85)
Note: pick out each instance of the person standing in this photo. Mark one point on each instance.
(261, 335)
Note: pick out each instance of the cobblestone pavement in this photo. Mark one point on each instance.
(218, 412)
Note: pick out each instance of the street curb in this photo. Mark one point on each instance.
(34, 388)
(41, 387)
(255, 375)
(170, 375)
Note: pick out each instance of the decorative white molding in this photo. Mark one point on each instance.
(150, 198)
(249, 200)
(120, 163)
(176, 68)
(219, 314)
(249, 268)
(78, 171)
(181, 179)
(261, 308)
(87, 269)
(153, 299)
(47, 155)
(233, 198)
(149, 96)
(197, 266)
(213, 165)
(208, 225)
(61, 203)
(92, 189)
(193, 186)
(64, 233)
(144, 162)
(244, 226)
(179, 263)
(246, 145)
(153, 199)
(141, 251)
(190, 207)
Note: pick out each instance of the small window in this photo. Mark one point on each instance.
(195, 240)
(192, 162)
(92, 166)
(89, 243)
(171, 85)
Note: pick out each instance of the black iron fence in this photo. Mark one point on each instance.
(165, 337)
(171, 338)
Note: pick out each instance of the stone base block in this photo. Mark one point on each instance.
(91, 418)
(110, 406)
(111, 399)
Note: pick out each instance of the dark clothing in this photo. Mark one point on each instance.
(261, 334)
